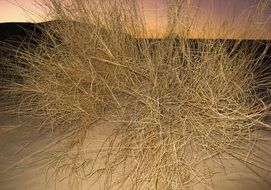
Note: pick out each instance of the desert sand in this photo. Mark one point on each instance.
(24, 160)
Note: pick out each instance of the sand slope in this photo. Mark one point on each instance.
(20, 171)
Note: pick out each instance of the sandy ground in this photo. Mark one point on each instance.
(24, 162)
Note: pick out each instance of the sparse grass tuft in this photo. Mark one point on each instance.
(172, 104)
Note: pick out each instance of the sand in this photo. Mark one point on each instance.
(24, 160)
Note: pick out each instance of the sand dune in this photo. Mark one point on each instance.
(24, 160)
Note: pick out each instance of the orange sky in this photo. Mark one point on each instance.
(17, 11)
(12, 11)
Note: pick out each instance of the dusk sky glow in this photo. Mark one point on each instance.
(154, 10)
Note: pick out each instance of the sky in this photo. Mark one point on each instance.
(221, 12)
(12, 11)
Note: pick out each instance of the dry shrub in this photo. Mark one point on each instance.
(172, 103)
